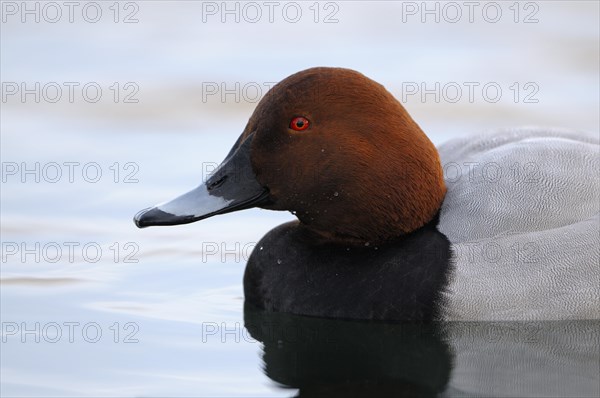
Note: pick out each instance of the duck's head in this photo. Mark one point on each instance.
(333, 147)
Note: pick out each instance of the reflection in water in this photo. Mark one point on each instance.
(329, 357)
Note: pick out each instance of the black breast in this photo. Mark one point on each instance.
(294, 270)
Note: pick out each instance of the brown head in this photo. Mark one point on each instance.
(338, 150)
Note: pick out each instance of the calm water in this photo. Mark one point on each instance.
(92, 306)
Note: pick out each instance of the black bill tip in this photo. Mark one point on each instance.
(153, 216)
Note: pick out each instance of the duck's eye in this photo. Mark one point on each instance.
(299, 123)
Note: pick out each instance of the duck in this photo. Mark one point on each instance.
(501, 225)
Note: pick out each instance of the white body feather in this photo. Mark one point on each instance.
(522, 213)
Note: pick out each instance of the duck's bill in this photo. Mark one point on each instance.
(233, 186)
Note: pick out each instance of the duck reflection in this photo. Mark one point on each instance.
(331, 357)
(334, 358)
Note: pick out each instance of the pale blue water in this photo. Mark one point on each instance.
(178, 298)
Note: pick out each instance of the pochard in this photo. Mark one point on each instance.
(502, 225)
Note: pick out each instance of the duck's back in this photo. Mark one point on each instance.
(522, 213)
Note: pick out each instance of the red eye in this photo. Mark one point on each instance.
(299, 123)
